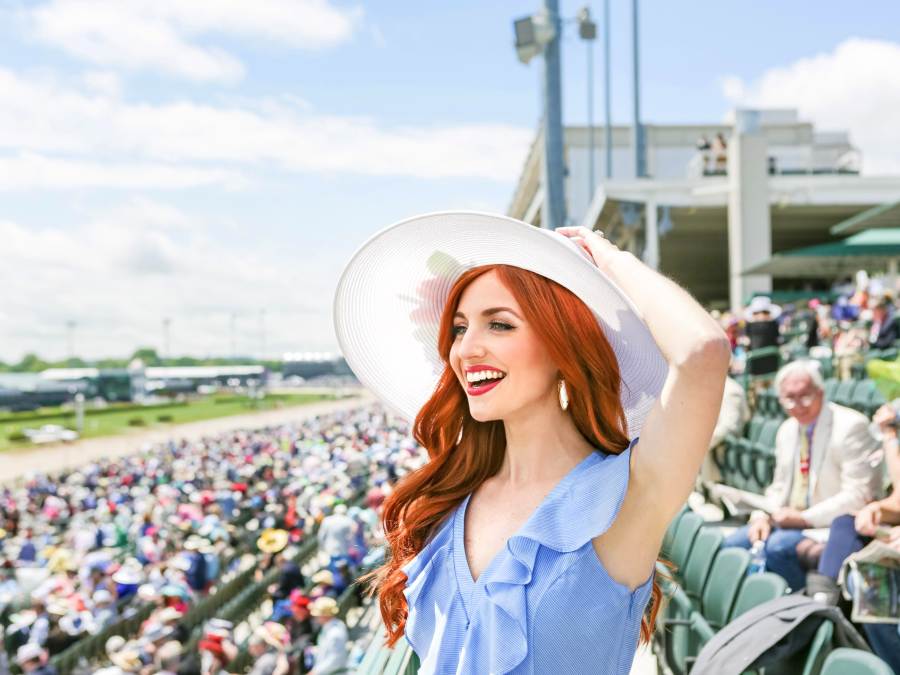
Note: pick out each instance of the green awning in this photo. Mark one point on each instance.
(881, 216)
(870, 250)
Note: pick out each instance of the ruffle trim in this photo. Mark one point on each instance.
(573, 514)
(584, 508)
(418, 576)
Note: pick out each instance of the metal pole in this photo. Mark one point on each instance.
(554, 211)
(166, 323)
(70, 338)
(608, 136)
(640, 164)
(590, 117)
(233, 340)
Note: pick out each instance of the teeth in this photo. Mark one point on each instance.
(484, 375)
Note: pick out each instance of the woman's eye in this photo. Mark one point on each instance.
(494, 324)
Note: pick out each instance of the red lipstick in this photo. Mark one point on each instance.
(485, 388)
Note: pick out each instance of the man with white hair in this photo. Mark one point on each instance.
(822, 470)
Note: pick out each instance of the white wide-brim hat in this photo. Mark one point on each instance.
(762, 303)
(390, 297)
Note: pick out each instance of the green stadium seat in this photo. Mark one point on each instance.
(818, 649)
(831, 385)
(698, 566)
(722, 587)
(669, 537)
(862, 396)
(757, 589)
(688, 527)
(845, 661)
(844, 392)
(763, 446)
(397, 661)
(735, 449)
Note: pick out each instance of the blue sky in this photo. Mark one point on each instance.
(192, 160)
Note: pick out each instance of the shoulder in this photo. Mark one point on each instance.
(848, 418)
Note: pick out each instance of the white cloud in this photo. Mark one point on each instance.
(30, 171)
(120, 272)
(51, 118)
(161, 34)
(855, 88)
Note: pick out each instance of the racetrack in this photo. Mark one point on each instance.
(19, 462)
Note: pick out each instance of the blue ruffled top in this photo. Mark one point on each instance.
(545, 603)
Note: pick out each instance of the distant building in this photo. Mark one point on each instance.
(313, 364)
(703, 216)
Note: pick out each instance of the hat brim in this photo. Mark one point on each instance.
(392, 292)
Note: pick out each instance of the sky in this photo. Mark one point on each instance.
(215, 163)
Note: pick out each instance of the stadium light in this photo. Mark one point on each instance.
(532, 33)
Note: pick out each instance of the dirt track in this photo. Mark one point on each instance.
(15, 463)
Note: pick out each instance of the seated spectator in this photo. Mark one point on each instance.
(267, 646)
(885, 329)
(852, 532)
(822, 471)
(299, 623)
(733, 415)
(331, 645)
(32, 659)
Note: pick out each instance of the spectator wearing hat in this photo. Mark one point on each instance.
(267, 646)
(762, 331)
(32, 658)
(822, 471)
(323, 581)
(331, 644)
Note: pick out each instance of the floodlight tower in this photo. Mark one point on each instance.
(539, 34)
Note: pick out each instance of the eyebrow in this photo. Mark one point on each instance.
(490, 311)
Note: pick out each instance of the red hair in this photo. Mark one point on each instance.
(422, 499)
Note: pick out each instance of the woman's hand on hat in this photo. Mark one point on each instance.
(600, 249)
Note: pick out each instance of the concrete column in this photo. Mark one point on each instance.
(651, 235)
(749, 223)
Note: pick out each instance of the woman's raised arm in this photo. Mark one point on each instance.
(675, 436)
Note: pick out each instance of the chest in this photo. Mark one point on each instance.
(489, 522)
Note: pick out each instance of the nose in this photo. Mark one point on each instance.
(471, 345)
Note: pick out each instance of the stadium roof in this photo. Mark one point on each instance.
(883, 215)
(871, 250)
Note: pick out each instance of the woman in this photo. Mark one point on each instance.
(537, 493)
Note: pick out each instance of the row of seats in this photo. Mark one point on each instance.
(710, 587)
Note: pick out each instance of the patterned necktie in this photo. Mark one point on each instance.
(800, 490)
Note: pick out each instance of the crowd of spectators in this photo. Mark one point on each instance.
(167, 526)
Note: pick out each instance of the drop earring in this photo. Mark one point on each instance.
(459, 438)
(563, 395)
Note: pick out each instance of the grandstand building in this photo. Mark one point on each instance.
(704, 217)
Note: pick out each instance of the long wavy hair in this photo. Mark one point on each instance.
(422, 499)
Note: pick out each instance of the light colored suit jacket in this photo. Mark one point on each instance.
(841, 476)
